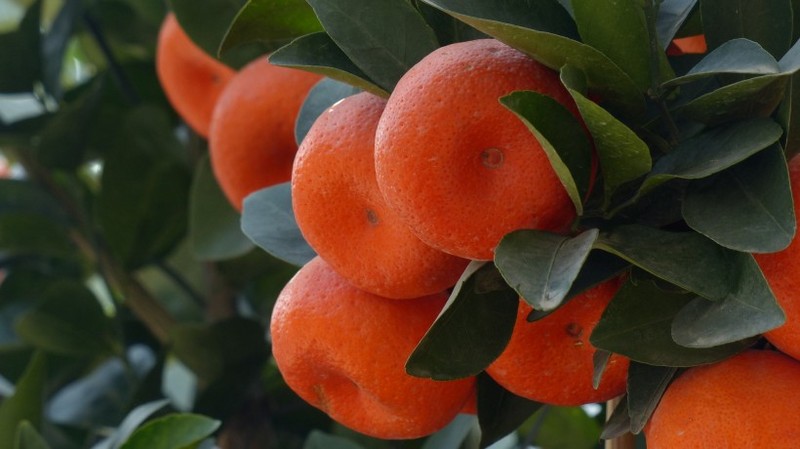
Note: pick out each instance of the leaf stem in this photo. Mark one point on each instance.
(656, 92)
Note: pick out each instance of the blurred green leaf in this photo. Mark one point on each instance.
(637, 324)
(26, 403)
(268, 220)
(21, 55)
(541, 266)
(751, 98)
(472, 330)
(54, 45)
(320, 440)
(132, 421)
(32, 235)
(768, 22)
(562, 137)
(739, 55)
(671, 15)
(176, 431)
(318, 53)
(566, 428)
(749, 310)
(69, 320)
(23, 196)
(214, 229)
(273, 23)
(384, 38)
(322, 96)
(646, 384)
(748, 208)
(500, 412)
(29, 438)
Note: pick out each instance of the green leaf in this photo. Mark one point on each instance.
(29, 438)
(566, 428)
(70, 321)
(142, 206)
(268, 220)
(713, 151)
(320, 440)
(27, 197)
(541, 266)
(749, 310)
(619, 423)
(214, 229)
(623, 155)
(740, 56)
(176, 431)
(131, 422)
(31, 234)
(26, 404)
(472, 330)
(754, 97)
(789, 117)
(637, 324)
(646, 384)
(500, 412)
(318, 53)
(448, 29)
(686, 259)
(619, 30)
(562, 137)
(453, 435)
(384, 38)
(768, 22)
(322, 96)
(748, 208)
(600, 361)
(671, 15)
(543, 32)
(20, 54)
(54, 45)
(273, 23)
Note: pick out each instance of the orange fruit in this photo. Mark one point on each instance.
(782, 271)
(551, 360)
(343, 216)
(252, 142)
(747, 401)
(460, 168)
(688, 45)
(192, 79)
(343, 350)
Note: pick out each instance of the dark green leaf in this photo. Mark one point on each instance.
(131, 422)
(562, 137)
(320, 440)
(176, 431)
(790, 62)
(27, 402)
(619, 423)
(538, 32)
(600, 360)
(20, 55)
(472, 330)
(29, 438)
(273, 23)
(318, 53)
(54, 45)
(789, 116)
(713, 151)
(541, 266)
(566, 428)
(619, 30)
(748, 208)
(637, 324)
(21, 196)
(749, 310)
(671, 15)
(214, 229)
(384, 38)
(741, 56)
(686, 259)
(754, 97)
(69, 320)
(448, 29)
(768, 22)
(32, 235)
(623, 155)
(268, 220)
(453, 435)
(646, 384)
(323, 95)
(500, 412)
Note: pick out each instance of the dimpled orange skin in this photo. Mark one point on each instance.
(747, 401)
(460, 168)
(192, 80)
(782, 271)
(343, 350)
(344, 217)
(252, 143)
(551, 360)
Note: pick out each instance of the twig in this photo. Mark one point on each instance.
(181, 282)
(121, 79)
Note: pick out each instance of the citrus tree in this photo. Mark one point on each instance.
(548, 223)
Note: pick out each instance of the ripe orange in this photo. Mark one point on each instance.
(782, 271)
(459, 167)
(343, 216)
(688, 45)
(191, 79)
(343, 350)
(551, 360)
(252, 142)
(747, 401)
